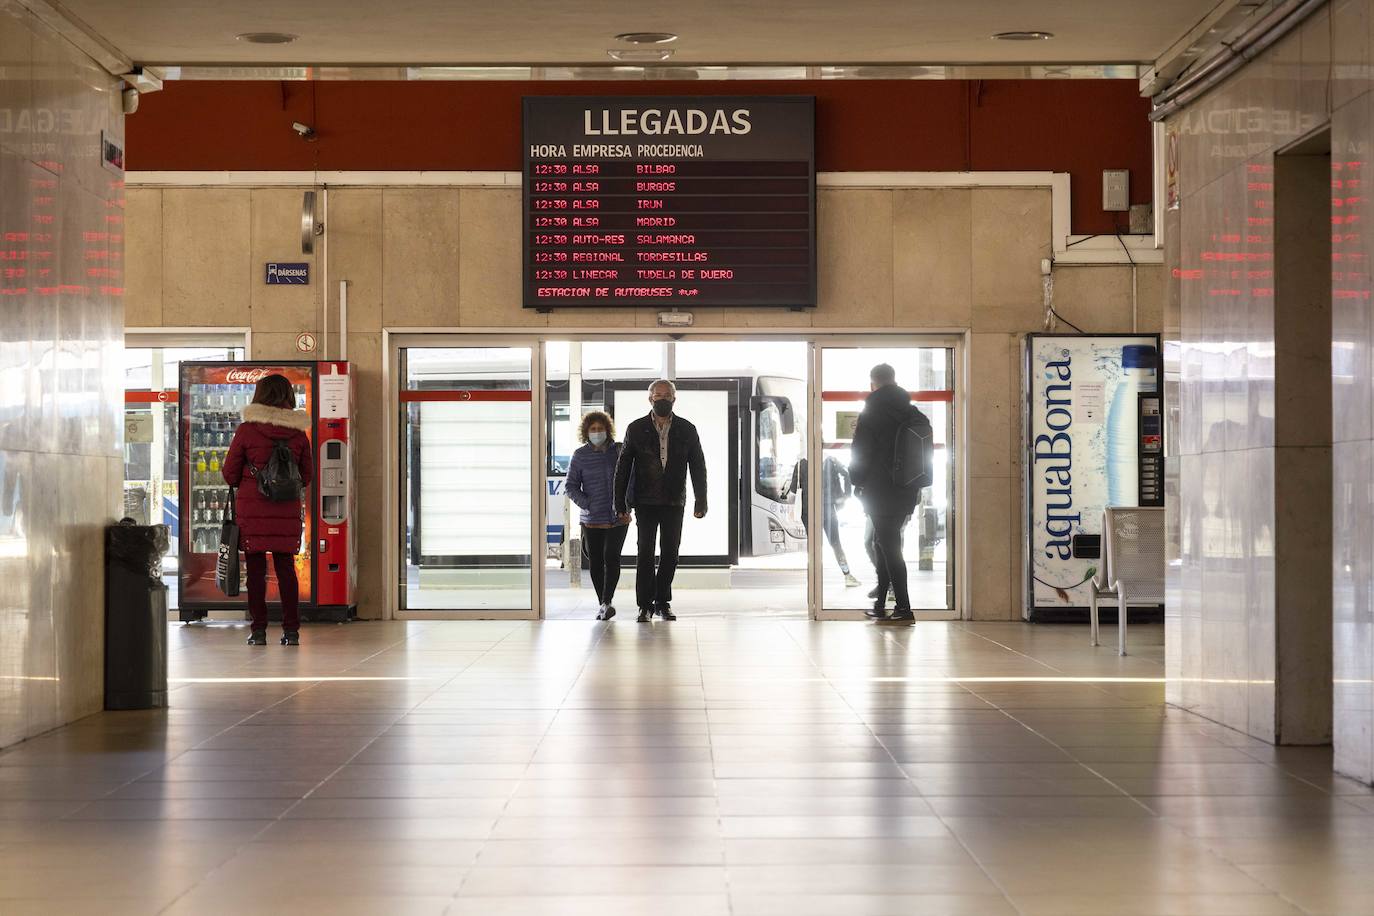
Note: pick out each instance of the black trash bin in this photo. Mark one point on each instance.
(135, 616)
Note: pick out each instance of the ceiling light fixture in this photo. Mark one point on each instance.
(1023, 36)
(266, 38)
(646, 38)
(639, 55)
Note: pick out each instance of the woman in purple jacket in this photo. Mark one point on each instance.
(591, 487)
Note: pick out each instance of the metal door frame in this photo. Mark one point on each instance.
(396, 339)
(958, 546)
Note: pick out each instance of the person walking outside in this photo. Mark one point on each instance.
(888, 420)
(591, 487)
(835, 492)
(658, 453)
(271, 453)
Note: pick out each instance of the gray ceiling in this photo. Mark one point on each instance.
(402, 32)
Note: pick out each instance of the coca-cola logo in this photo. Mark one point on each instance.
(245, 376)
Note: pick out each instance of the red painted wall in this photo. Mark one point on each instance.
(1075, 126)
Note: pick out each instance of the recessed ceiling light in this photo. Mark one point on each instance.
(646, 38)
(267, 38)
(1023, 36)
(639, 54)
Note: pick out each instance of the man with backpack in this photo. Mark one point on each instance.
(890, 464)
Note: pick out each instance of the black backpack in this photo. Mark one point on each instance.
(913, 452)
(280, 480)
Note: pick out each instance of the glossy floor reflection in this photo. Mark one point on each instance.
(704, 767)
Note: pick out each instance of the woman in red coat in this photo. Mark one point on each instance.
(263, 524)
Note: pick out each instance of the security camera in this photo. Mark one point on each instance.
(305, 130)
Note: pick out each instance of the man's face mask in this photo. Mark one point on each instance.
(663, 406)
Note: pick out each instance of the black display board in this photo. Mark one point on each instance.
(669, 201)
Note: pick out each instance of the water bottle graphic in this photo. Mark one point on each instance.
(1138, 363)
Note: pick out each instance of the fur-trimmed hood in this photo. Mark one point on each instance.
(276, 416)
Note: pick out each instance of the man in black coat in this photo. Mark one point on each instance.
(886, 410)
(658, 453)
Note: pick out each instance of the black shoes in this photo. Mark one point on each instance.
(288, 638)
(900, 617)
(606, 613)
(876, 613)
(646, 614)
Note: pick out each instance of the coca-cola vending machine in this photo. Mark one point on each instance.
(212, 397)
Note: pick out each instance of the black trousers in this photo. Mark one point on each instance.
(888, 559)
(661, 527)
(287, 588)
(601, 550)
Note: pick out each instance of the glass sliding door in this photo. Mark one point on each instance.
(842, 531)
(151, 421)
(466, 446)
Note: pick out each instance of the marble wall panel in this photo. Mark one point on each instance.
(355, 255)
(1255, 326)
(1303, 534)
(275, 345)
(1010, 238)
(420, 254)
(60, 365)
(1314, 73)
(1350, 50)
(1353, 608)
(207, 268)
(1352, 313)
(995, 426)
(16, 78)
(372, 573)
(1190, 356)
(756, 318)
(932, 257)
(18, 373)
(1151, 298)
(1228, 320)
(1096, 298)
(1238, 576)
(992, 543)
(855, 289)
(275, 235)
(365, 353)
(143, 258)
(489, 291)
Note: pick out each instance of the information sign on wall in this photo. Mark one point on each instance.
(138, 427)
(279, 273)
(669, 201)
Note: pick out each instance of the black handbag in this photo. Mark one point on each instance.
(227, 566)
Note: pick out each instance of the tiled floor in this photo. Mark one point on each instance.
(704, 767)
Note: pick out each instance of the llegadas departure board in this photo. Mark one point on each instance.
(669, 201)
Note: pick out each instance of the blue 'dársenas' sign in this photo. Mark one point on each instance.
(282, 273)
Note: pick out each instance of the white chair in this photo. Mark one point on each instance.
(1132, 566)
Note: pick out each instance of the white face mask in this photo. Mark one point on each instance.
(597, 438)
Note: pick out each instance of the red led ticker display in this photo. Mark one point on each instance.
(669, 201)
